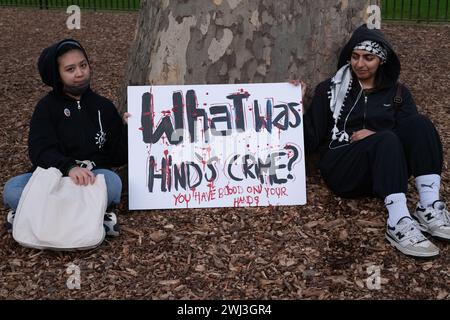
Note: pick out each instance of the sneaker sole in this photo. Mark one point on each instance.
(408, 252)
(112, 233)
(437, 237)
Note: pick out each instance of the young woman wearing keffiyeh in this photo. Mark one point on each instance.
(367, 147)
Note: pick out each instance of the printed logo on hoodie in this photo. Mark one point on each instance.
(100, 137)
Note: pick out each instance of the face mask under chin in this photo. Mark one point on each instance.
(76, 90)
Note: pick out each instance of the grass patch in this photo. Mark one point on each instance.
(83, 4)
(415, 10)
(407, 10)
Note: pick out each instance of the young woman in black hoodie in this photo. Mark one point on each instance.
(73, 129)
(370, 144)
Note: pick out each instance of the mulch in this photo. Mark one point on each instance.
(327, 249)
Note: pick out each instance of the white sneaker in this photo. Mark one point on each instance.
(407, 238)
(434, 220)
(110, 224)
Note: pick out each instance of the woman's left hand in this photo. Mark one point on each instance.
(360, 135)
(125, 117)
(303, 85)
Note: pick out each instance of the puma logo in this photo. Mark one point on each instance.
(388, 204)
(423, 185)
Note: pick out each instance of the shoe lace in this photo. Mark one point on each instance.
(411, 231)
(445, 215)
(441, 217)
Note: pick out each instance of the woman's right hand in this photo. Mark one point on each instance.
(303, 85)
(81, 176)
(361, 134)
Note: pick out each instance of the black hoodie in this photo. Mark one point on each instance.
(63, 129)
(373, 111)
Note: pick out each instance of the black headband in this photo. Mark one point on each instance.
(66, 43)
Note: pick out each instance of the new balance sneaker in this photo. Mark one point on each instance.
(9, 220)
(407, 238)
(110, 224)
(434, 220)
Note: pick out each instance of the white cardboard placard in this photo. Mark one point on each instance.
(199, 146)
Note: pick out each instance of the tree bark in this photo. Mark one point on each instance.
(239, 41)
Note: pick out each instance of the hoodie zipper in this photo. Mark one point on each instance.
(82, 122)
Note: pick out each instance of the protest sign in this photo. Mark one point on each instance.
(197, 146)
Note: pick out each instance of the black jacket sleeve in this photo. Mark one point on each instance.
(117, 145)
(317, 118)
(43, 145)
(408, 106)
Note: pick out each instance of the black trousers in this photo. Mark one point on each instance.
(382, 163)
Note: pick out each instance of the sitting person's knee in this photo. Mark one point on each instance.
(387, 136)
(415, 122)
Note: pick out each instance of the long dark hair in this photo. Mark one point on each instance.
(381, 78)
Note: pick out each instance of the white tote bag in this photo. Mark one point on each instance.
(55, 213)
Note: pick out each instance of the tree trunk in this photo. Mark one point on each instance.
(236, 41)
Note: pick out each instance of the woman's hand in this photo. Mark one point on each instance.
(361, 134)
(81, 176)
(125, 117)
(303, 85)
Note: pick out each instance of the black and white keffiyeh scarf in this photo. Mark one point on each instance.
(372, 47)
(341, 84)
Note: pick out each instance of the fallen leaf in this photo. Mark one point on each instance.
(200, 268)
(158, 236)
(169, 282)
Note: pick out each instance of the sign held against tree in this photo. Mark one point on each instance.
(199, 146)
